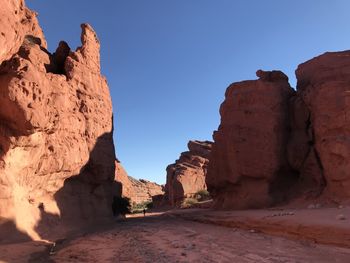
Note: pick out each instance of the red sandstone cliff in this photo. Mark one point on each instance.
(138, 191)
(275, 144)
(323, 86)
(187, 175)
(248, 155)
(56, 147)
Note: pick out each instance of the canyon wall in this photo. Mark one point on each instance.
(248, 155)
(138, 191)
(56, 146)
(187, 175)
(323, 85)
(275, 144)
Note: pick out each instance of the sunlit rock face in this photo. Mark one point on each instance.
(274, 144)
(138, 191)
(187, 175)
(56, 147)
(16, 22)
(248, 165)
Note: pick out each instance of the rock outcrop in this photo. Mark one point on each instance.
(138, 191)
(56, 146)
(248, 165)
(187, 175)
(275, 144)
(16, 22)
(323, 86)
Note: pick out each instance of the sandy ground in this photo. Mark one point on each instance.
(168, 238)
(324, 225)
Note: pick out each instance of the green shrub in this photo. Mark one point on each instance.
(202, 195)
(138, 208)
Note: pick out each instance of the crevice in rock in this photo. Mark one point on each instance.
(323, 179)
(57, 59)
(311, 182)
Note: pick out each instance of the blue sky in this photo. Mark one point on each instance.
(168, 63)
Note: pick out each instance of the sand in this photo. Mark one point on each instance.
(175, 237)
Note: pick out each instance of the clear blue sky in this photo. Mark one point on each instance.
(168, 63)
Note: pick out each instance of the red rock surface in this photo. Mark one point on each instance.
(16, 21)
(274, 144)
(248, 166)
(187, 175)
(323, 85)
(138, 191)
(56, 147)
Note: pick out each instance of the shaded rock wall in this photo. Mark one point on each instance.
(187, 175)
(323, 85)
(56, 147)
(275, 144)
(138, 191)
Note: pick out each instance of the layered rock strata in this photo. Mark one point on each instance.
(187, 175)
(138, 191)
(56, 147)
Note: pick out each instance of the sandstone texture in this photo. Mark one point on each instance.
(138, 191)
(276, 145)
(16, 22)
(187, 175)
(248, 157)
(323, 86)
(56, 147)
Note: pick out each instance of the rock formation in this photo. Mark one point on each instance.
(139, 191)
(187, 175)
(56, 147)
(275, 144)
(16, 22)
(248, 156)
(323, 86)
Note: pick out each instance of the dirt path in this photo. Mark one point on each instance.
(168, 239)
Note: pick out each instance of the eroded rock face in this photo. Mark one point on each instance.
(323, 86)
(272, 139)
(16, 21)
(301, 153)
(248, 165)
(56, 147)
(187, 175)
(139, 191)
